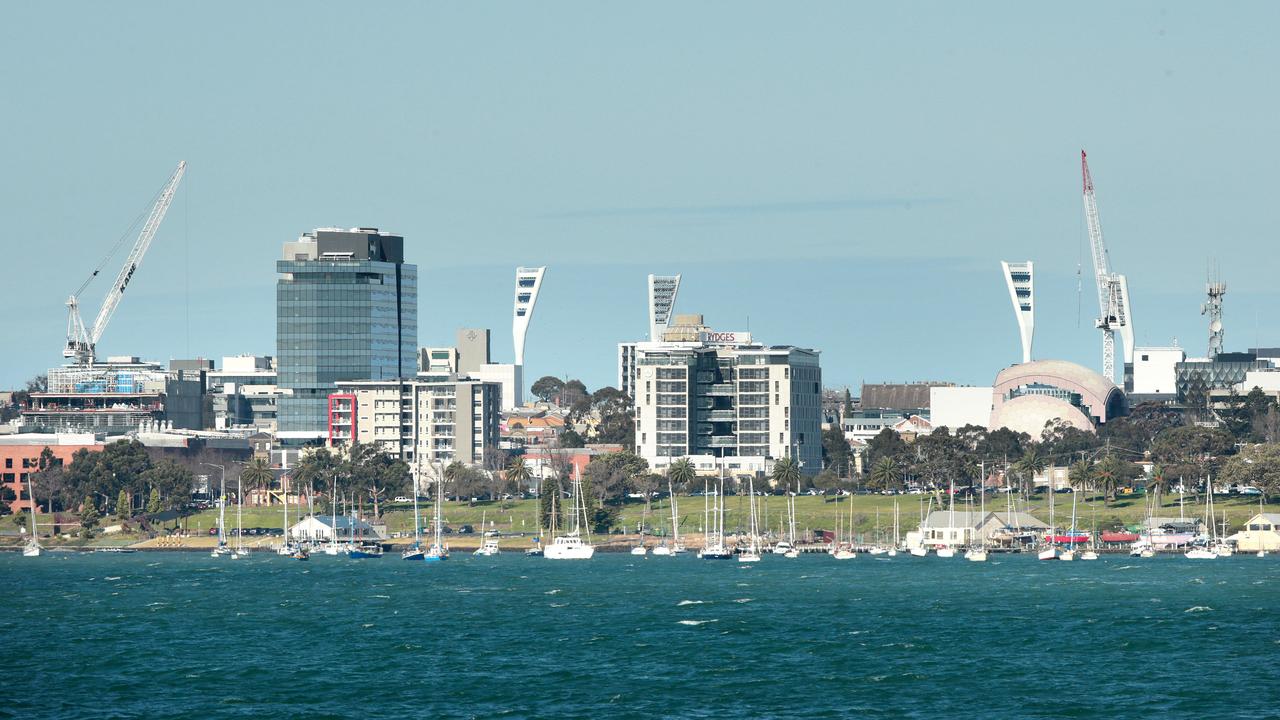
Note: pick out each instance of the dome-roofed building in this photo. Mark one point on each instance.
(1094, 394)
(1030, 413)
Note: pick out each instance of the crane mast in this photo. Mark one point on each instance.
(82, 341)
(1113, 288)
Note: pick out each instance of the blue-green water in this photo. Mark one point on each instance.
(185, 635)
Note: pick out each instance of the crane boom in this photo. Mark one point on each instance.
(1113, 288)
(82, 341)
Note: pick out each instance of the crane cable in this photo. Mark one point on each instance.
(119, 243)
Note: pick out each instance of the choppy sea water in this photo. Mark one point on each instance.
(186, 635)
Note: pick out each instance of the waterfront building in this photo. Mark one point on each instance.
(437, 418)
(1260, 532)
(907, 398)
(20, 458)
(718, 395)
(1198, 380)
(1020, 279)
(346, 309)
(343, 528)
(627, 369)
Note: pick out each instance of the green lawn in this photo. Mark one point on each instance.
(811, 513)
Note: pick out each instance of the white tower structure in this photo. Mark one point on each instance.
(662, 300)
(1021, 282)
(528, 283)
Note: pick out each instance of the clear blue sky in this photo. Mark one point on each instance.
(845, 175)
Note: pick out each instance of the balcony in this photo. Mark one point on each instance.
(722, 415)
(723, 441)
(721, 390)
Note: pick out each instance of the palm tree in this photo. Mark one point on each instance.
(518, 473)
(681, 473)
(884, 474)
(1159, 483)
(257, 474)
(1108, 478)
(786, 473)
(1081, 475)
(1031, 464)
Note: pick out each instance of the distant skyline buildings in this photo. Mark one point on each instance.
(662, 302)
(346, 309)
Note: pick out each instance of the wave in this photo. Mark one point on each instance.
(1198, 608)
(696, 622)
(690, 602)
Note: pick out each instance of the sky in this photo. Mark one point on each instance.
(844, 176)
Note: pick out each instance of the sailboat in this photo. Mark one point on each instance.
(1091, 552)
(1205, 551)
(489, 546)
(752, 553)
(1070, 552)
(713, 547)
(675, 548)
(1050, 552)
(787, 548)
(893, 549)
(363, 549)
(415, 551)
(571, 546)
(222, 548)
(286, 548)
(438, 552)
(978, 552)
(842, 550)
(240, 550)
(1262, 551)
(32, 548)
(947, 551)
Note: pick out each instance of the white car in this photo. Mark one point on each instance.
(401, 498)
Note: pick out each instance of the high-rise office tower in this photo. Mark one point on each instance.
(528, 283)
(662, 301)
(346, 309)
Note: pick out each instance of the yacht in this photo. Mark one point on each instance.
(489, 548)
(752, 553)
(639, 550)
(572, 546)
(662, 549)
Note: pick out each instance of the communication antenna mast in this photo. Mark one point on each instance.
(1212, 307)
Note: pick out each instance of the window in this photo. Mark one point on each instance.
(8, 463)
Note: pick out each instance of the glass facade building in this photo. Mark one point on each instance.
(346, 309)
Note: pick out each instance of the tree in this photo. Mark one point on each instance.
(570, 439)
(847, 403)
(1159, 483)
(518, 473)
(1080, 474)
(609, 477)
(89, 514)
(1031, 463)
(39, 383)
(124, 509)
(886, 443)
(681, 474)
(884, 474)
(257, 475)
(153, 501)
(1256, 465)
(547, 388)
(835, 451)
(786, 473)
(572, 392)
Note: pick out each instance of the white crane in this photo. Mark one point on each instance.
(81, 341)
(1113, 288)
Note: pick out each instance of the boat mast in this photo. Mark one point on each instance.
(417, 519)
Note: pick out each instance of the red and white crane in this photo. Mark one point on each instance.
(82, 341)
(1113, 288)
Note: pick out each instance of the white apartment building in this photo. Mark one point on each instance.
(720, 398)
(437, 419)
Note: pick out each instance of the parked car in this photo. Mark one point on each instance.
(466, 530)
(402, 499)
(1249, 490)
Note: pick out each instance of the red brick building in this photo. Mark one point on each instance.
(20, 457)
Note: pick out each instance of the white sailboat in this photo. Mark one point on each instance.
(222, 548)
(1050, 552)
(240, 550)
(1206, 550)
(286, 548)
(978, 552)
(752, 553)
(662, 548)
(1070, 553)
(438, 552)
(415, 551)
(489, 546)
(32, 548)
(948, 551)
(572, 546)
(1262, 552)
(713, 547)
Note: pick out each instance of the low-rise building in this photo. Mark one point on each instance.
(20, 458)
(1260, 532)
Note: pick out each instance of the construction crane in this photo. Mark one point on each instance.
(82, 341)
(1113, 288)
